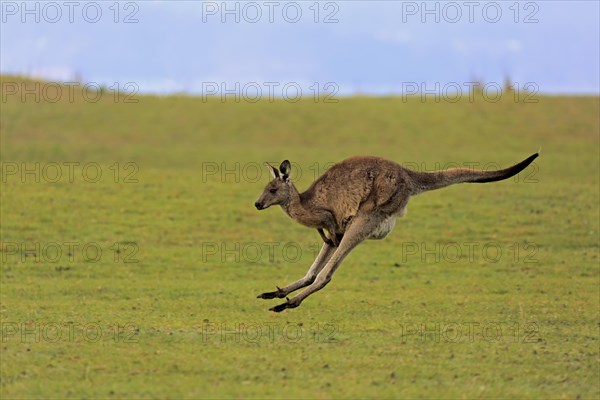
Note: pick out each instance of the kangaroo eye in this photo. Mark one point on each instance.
(273, 190)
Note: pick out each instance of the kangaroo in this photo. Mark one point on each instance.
(357, 199)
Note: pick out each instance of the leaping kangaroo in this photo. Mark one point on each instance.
(356, 199)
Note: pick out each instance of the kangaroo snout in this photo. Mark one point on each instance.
(258, 205)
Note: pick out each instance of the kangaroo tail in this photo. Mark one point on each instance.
(425, 181)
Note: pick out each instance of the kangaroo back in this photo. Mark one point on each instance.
(425, 181)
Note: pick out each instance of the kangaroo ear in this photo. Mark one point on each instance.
(274, 171)
(285, 169)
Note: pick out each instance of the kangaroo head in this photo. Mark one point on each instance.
(277, 192)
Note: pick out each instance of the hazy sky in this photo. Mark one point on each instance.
(354, 46)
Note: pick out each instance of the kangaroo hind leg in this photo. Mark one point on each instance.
(360, 229)
(324, 255)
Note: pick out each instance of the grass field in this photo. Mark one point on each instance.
(132, 253)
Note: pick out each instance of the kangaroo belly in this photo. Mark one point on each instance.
(387, 225)
(383, 229)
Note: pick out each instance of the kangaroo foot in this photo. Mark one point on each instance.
(288, 304)
(271, 295)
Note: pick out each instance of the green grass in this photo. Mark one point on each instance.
(169, 307)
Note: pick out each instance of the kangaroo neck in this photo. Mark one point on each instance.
(295, 207)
